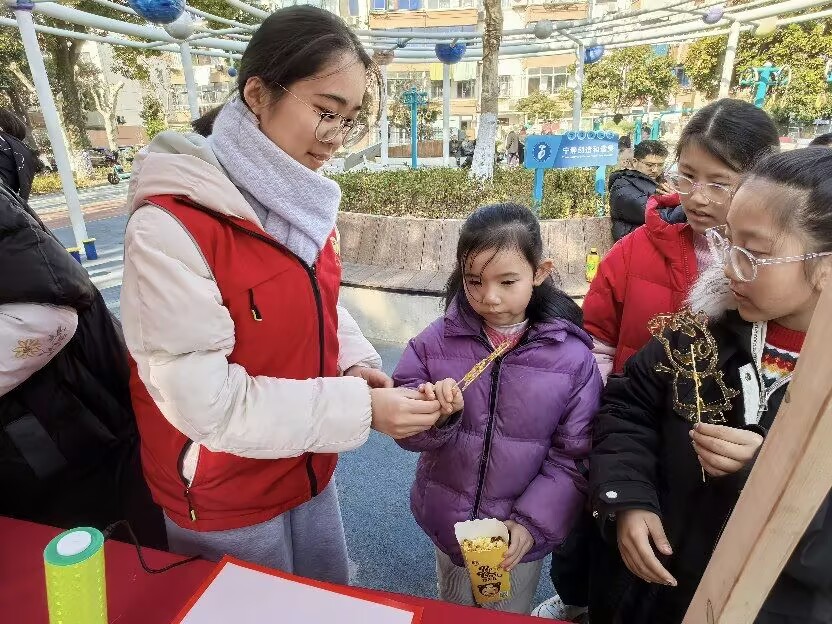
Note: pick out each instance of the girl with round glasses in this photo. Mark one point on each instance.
(651, 270)
(661, 490)
(248, 376)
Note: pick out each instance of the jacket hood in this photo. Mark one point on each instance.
(461, 320)
(185, 165)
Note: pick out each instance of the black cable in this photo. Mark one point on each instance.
(109, 531)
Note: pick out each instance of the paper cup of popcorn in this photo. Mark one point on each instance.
(484, 544)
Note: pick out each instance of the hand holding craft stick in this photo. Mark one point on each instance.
(480, 367)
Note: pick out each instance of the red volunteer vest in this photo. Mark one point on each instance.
(286, 326)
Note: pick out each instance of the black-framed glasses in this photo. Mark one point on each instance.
(332, 124)
(745, 264)
(714, 193)
(651, 166)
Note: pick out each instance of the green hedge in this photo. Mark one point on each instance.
(450, 193)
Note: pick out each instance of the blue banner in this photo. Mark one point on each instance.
(571, 150)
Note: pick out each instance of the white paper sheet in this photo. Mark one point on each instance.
(240, 595)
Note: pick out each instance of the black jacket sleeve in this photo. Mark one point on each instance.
(811, 561)
(628, 199)
(625, 455)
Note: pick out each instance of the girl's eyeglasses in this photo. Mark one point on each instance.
(714, 193)
(744, 264)
(332, 124)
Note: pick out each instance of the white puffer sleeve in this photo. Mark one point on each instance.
(180, 335)
(31, 334)
(354, 348)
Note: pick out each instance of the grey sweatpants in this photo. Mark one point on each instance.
(455, 585)
(307, 541)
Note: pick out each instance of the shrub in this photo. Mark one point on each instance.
(450, 193)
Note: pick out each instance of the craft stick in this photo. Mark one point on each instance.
(481, 366)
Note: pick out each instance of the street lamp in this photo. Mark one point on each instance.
(414, 99)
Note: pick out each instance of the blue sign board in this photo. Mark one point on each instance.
(572, 150)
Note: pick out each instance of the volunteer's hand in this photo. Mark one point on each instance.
(520, 542)
(374, 377)
(636, 527)
(402, 412)
(448, 394)
(724, 450)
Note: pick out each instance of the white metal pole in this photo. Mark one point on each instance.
(446, 114)
(53, 124)
(190, 83)
(384, 127)
(730, 58)
(579, 88)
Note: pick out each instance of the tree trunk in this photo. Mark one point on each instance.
(483, 165)
(65, 55)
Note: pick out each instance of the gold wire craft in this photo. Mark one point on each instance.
(688, 365)
(480, 367)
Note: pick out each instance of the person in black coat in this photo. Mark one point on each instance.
(69, 445)
(662, 490)
(631, 188)
(18, 162)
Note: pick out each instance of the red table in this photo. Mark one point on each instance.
(135, 597)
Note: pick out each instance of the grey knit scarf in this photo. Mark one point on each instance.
(295, 204)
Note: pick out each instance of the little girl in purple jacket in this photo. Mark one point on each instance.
(515, 445)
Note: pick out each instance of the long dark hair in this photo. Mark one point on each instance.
(511, 226)
(734, 132)
(292, 44)
(12, 124)
(806, 175)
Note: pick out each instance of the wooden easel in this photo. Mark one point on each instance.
(790, 480)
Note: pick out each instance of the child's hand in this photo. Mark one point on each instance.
(519, 544)
(724, 450)
(402, 412)
(636, 527)
(448, 394)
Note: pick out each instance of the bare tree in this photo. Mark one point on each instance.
(483, 165)
(103, 95)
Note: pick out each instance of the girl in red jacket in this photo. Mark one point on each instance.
(651, 270)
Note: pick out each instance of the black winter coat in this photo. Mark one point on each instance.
(68, 437)
(643, 459)
(629, 192)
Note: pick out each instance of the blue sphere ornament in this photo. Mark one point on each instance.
(593, 54)
(158, 11)
(713, 15)
(232, 71)
(450, 54)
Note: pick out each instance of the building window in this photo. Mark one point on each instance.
(379, 5)
(547, 79)
(409, 5)
(681, 76)
(397, 82)
(436, 89)
(465, 89)
(506, 86)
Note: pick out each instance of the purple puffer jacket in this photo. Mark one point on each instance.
(519, 450)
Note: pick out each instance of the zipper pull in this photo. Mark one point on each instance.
(191, 510)
(255, 312)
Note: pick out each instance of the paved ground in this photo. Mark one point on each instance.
(389, 550)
